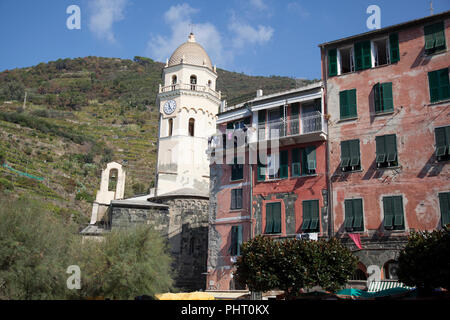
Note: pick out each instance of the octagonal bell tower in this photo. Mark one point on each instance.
(188, 104)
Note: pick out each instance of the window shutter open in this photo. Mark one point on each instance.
(386, 93)
(239, 240)
(388, 208)
(233, 246)
(311, 158)
(398, 211)
(314, 205)
(348, 224)
(433, 82)
(269, 218)
(381, 151)
(345, 154)
(441, 141)
(358, 214)
(439, 35)
(429, 37)
(391, 147)
(358, 56)
(306, 215)
(444, 203)
(354, 153)
(276, 214)
(332, 62)
(367, 55)
(343, 102)
(394, 48)
(377, 97)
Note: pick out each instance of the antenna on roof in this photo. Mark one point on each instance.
(191, 26)
(431, 8)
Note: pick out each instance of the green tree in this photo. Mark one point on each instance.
(425, 260)
(128, 263)
(291, 265)
(33, 251)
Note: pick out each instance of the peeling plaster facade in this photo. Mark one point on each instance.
(419, 177)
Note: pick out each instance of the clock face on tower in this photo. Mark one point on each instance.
(169, 107)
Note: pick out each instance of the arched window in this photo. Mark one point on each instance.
(193, 81)
(170, 127)
(174, 81)
(112, 180)
(390, 270)
(191, 126)
(209, 83)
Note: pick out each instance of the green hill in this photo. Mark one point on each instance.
(82, 113)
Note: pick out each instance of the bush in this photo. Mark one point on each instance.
(425, 261)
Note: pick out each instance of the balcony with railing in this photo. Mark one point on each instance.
(190, 87)
(312, 127)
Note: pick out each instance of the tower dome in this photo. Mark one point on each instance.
(190, 52)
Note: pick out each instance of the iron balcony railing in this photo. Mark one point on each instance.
(191, 87)
(291, 127)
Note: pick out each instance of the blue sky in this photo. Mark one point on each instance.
(257, 37)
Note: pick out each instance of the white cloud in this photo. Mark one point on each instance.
(178, 17)
(258, 4)
(246, 34)
(104, 13)
(221, 48)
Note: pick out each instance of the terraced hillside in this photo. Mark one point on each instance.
(81, 114)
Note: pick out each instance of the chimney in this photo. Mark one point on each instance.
(259, 93)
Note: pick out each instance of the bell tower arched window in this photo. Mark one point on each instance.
(170, 127)
(174, 81)
(193, 81)
(191, 126)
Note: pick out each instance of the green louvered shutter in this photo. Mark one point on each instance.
(351, 96)
(394, 48)
(295, 122)
(358, 56)
(388, 208)
(239, 240)
(306, 206)
(348, 222)
(391, 147)
(433, 82)
(429, 37)
(314, 205)
(343, 103)
(444, 203)
(398, 212)
(386, 93)
(269, 218)
(261, 125)
(439, 35)
(345, 154)
(358, 215)
(377, 98)
(332, 62)
(296, 162)
(284, 164)
(367, 55)
(444, 87)
(276, 214)
(441, 141)
(310, 159)
(233, 245)
(381, 150)
(354, 153)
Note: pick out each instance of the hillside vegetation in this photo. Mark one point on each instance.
(83, 113)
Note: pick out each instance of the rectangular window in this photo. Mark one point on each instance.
(236, 199)
(363, 55)
(386, 153)
(261, 170)
(438, 82)
(354, 216)
(332, 62)
(284, 164)
(273, 218)
(442, 136)
(350, 155)
(381, 51)
(237, 170)
(310, 216)
(347, 103)
(383, 97)
(347, 63)
(261, 125)
(434, 38)
(393, 213)
(273, 166)
(296, 170)
(236, 240)
(444, 203)
(294, 125)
